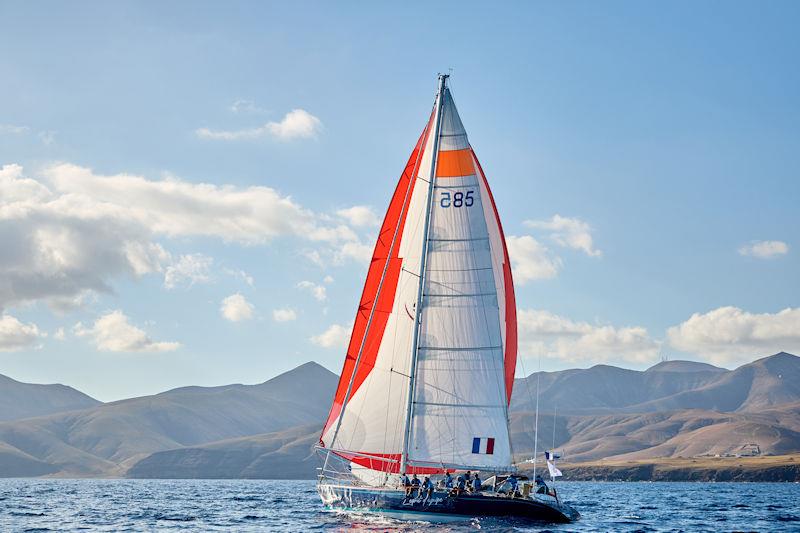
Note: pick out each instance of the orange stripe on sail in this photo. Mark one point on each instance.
(454, 163)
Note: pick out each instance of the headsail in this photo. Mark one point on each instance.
(464, 361)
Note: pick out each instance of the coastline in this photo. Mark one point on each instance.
(777, 468)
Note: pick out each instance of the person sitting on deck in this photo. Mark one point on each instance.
(448, 480)
(406, 484)
(476, 485)
(541, 486)
(414, 484)
(461, 485)
(509, 486)
(427, 487)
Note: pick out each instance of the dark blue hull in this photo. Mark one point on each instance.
(442, 506)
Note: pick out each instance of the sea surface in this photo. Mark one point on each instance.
(239, 505)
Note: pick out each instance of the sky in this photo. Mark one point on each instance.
(190, 191)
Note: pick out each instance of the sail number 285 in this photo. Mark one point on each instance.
(456, 199)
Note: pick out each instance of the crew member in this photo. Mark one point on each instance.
(476, 485)
(414, 484)
(541, 486)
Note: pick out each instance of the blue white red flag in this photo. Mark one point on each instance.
(483, 445)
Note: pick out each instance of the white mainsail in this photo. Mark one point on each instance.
(429, 369)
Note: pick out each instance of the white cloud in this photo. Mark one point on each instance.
(729, 335)
(72, 231)
(327, 279)
(355, 251)
(318, 291)
(236, 308)
(177, 208)
(550, 335)
(16, 335)
(568, 232)
(189, 269)
(63, 304)
(359, 215)
(284, 315)
(60, 334)
(764, 249)
(246, 107)
(296, 124)
(12, 129)
(336, 336)
(113, 332)
(530, 260)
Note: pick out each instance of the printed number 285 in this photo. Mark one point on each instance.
(457, 199)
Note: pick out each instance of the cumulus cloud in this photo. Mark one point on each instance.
(729, 335)
(530, 260)
(16, 335)
(113, 332)
(177, 208)
(568, 232)
(188, 270)
(550, 335)
(284, 315)
(336, 336)
(316, 290)
(764, 249)
(296, 124)
(359, 215)
(236, 308)
(72, 231)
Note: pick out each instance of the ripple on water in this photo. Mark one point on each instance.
(252, 505)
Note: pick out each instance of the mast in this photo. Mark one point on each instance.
(423, 260)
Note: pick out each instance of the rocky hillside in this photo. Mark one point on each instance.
(674, 409)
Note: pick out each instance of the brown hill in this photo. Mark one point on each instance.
(672, 385)
(23, 400)
(107, 439)
(674, 409)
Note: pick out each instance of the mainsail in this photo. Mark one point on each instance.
(430, 365)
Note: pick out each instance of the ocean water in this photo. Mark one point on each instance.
(243, 505)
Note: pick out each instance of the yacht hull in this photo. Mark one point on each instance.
(441, 506)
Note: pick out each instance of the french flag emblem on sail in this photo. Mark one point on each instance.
(484, 445)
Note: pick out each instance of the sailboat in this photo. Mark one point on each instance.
(429, 370)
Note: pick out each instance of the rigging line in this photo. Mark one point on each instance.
(536, 427)
(423, 260)
(555, 411)
(380, 287)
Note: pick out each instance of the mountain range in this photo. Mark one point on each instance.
(673, 409)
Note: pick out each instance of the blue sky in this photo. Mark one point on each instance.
(644, 159)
